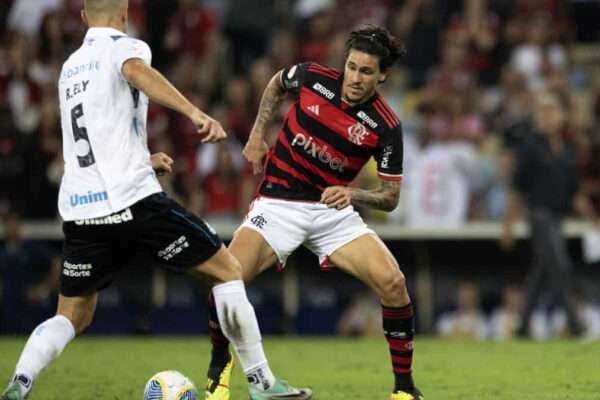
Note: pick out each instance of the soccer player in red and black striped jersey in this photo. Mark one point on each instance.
(336, 124)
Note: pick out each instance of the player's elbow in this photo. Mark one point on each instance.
(389, 206)
(133, 69)
(391, 202)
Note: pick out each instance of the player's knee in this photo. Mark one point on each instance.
(392, 283)
(232, 270)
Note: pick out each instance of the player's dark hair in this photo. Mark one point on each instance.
(378, 42)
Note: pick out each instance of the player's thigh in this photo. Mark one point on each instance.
(252, 251)
(369, 259)
(78, 309)
(271, 231)
(91, 258)
(179, 240)
(221, 267)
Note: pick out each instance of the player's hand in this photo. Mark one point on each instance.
(337, 197)
(210, 129)
(255, 151)
(161, 163)
(507, 241)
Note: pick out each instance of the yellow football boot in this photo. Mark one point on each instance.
(415, 394)
(220, 390)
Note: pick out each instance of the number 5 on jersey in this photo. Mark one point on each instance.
(83, 148)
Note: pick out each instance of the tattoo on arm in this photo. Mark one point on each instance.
(385, 198)
(272, 98)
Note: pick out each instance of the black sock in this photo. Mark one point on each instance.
(220, 344)
(398, 327)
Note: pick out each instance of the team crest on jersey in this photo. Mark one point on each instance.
(357, 133)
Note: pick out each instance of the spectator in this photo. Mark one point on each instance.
(248, 25)
(467, 320)
(30, 274)
(17, 86)
(13, 187)
(546, 180)
(417, 24)
(440, 183)
(44, 164)
(589, 315)
(362, 317)
(221, 188)
(538, 54)
(314, 42)
(191, 30)
(240, 115)
(505, 319)
(26, 15)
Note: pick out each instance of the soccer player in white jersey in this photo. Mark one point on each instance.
(113, 206)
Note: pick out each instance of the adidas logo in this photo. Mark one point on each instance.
(314, 109)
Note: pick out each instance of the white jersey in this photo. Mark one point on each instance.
(440, 185)
(107, 161)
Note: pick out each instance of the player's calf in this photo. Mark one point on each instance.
(46, 343)
(398, 327)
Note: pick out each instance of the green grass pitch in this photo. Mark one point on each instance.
(117, 368)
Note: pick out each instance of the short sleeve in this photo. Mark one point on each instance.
(127, 48)
(294, 77)
(390, 154)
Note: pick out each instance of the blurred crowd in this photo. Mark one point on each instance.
(465, 92)
(467, 313)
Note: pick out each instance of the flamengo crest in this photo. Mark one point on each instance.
(357, 133)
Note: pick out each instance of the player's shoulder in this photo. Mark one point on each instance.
(384, 114)
(310, 71)
(320, 71)
(309, 74)
(125, 41)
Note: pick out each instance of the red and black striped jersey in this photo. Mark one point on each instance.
(325, 141)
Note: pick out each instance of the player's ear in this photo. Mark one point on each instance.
(84, 18)
(382, 77)
(125, 17)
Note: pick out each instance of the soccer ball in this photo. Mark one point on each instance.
(170, 385)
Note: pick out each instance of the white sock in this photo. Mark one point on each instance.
(45, 344)
(239, 324)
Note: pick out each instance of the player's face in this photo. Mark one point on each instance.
(361, 75)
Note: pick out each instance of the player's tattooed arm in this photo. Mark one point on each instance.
(256, 148)
(270, 102)
(384, 198)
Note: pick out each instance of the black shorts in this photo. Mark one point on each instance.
(155, 230)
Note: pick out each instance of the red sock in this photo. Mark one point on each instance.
(398, 327)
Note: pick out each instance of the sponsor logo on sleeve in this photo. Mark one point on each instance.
(385, 158)
(324, 91)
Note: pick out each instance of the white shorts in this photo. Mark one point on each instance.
(286, 225)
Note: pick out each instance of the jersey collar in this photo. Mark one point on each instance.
(103, 31)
